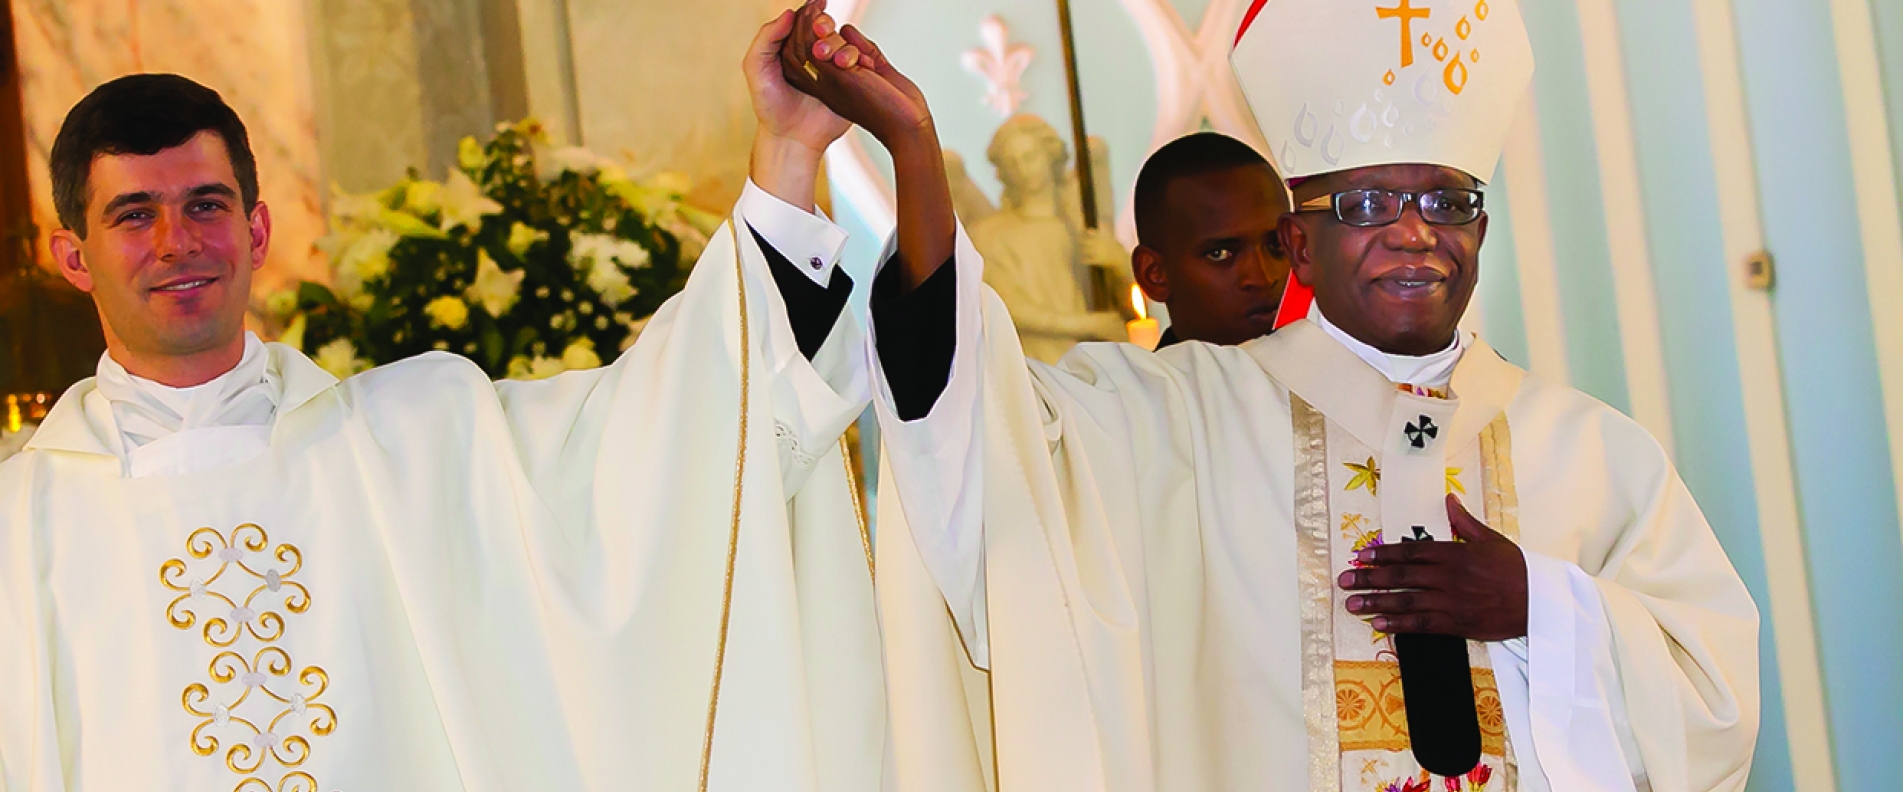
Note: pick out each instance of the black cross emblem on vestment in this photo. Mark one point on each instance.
(1419, 433)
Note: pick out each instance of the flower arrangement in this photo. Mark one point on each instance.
(529, 259)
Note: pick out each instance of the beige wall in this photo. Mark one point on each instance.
(658, 82)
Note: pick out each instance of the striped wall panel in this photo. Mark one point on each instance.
(1827, 346)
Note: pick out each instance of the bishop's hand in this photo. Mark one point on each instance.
(1474, 588)
(847, 72)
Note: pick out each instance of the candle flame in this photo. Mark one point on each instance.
(1136, 301)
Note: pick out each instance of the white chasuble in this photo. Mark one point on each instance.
(1117, 573)
(648, 576)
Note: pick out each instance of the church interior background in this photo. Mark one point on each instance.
(1696, 219)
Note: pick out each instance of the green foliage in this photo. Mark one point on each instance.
(524, 257)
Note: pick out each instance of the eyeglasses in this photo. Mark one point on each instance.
(1372, 208)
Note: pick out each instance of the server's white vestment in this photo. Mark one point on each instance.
(1095, 579)
(422, 580)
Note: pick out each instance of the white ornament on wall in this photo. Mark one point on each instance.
(1000, 64)
(1193, 80)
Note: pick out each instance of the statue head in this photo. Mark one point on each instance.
(1029, 157)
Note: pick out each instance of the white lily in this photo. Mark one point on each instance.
(494, 289)
(463, 203)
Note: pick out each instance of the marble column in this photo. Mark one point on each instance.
(401, 81)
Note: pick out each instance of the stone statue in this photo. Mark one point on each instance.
(1062, 283)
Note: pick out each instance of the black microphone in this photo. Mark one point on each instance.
(1443, 724)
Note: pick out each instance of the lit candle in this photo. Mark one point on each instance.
(1144, 331)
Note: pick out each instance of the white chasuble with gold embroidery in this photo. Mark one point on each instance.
(1118, 573)
(644, 576)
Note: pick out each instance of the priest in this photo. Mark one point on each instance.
(223, 569)
(1363, 553)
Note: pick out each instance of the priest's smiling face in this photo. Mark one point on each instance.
(170, 249)
(1399, 287)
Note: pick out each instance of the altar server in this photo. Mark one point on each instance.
(1363, 553)
(223, 569)
(1207, 209)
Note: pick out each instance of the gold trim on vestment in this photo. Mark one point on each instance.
(1496, 467)
(1316, 587)
(1373, 713)
(733, 536)
(1503, 516)
(858, 505)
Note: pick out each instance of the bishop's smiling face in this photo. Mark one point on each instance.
(170, 249)
(1401, 287)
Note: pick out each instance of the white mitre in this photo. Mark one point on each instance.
(1344, 84)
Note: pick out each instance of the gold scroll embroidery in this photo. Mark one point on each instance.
(292, 782)
(1373, 715)
(244, 689)
(1317, 594)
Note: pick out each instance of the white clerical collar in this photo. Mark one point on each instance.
(160, 426)
(1427, 371)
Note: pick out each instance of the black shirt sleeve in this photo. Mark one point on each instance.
(917, 335)
(812, 310)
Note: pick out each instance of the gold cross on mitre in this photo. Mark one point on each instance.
(1331, 94)
(1407, 14)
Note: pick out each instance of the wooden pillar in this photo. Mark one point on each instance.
(16, 213)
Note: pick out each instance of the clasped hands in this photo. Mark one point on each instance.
(1474, 588)
(847, 73)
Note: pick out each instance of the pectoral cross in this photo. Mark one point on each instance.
(1407, 13)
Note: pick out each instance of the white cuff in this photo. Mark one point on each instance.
(1574, 703)
(808, 239)
(936, 460)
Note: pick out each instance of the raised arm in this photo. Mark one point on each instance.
(779, 253)
(791, 135)
(926, 316)
(847, 72)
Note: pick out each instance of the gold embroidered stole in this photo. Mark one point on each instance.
(1357, 719)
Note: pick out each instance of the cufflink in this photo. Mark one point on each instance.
(816, 262)
(1421, 431)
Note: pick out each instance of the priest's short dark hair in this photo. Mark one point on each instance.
(142, 114)
(1191, 155)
